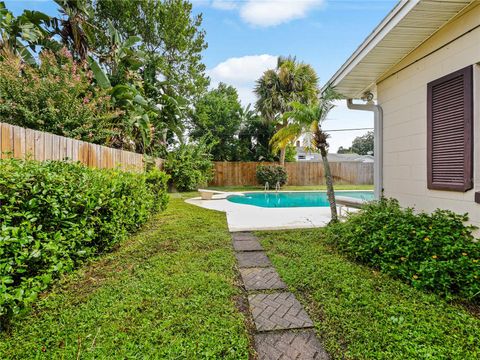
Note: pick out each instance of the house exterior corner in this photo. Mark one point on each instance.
(402, 93)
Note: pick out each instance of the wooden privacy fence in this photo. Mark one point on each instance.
(299, 173)
(24, 143)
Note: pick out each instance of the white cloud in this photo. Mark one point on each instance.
(266, 13)
(242, 72)
(224, 4)
(243, 69)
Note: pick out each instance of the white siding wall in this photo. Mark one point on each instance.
(403, 96)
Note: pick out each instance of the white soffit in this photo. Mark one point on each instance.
(407, 26)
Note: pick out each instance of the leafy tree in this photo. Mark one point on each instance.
(254, 138)
(291, 81)
(173, 75)
(342, 150)
(290, 153)
(363, 145)
(218, 116)
(171, 38)
(308, 119)
(190, 166)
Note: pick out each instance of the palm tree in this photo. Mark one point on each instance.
(307, 119)
(291, 81)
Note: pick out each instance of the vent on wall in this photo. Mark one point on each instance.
(450, 131)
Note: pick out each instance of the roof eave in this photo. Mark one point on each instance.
(387, 24)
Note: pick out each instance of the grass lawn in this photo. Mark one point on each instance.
(167, 293)
(361, 314)
(292, 188)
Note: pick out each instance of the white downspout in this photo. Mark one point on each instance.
(377, 142)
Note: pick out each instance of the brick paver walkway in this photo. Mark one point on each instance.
(247, 245)
(283, 327)
(293, 345)
(278, 311)
(252, 259)
(261, 279)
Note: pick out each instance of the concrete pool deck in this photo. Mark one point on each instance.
(242, 217)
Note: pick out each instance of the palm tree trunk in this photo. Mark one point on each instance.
(329, 182)
(283, 151)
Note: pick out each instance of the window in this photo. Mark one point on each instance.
(450, 131)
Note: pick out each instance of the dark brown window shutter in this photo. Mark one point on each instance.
(450, 131)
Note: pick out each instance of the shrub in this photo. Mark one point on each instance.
(57, 96)
(272, 174)
(55, 215)
(290, 153)
(435, 252)
(189, 166)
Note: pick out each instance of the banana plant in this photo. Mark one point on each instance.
(74, 28)
(149, 115)
(23, 33)
(140, 114)
(121, 54)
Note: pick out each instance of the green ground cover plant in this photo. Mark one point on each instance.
(361, 313)
(168, 292)
(55, 215)
(434, 252)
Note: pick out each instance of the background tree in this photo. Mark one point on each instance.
(291, 81)
(254, 138)
(218, 116)
(172, 40)
(308, 119)
(363, 145)
(342, 150)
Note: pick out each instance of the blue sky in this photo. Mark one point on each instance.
(245, 37)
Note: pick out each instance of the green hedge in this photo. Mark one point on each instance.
(435, 252)
(54, 215)
(189, 166)
(272, 174)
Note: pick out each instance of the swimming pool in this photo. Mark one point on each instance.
(294, 199)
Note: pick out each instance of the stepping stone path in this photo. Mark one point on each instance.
(261, 279)
(283, 328)
(252, 259)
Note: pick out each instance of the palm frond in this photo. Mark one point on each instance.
(285, 136)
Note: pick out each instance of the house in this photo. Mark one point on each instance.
(303, 155)
(421, 65)
(350, 158)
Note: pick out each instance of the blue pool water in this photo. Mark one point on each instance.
(294, 199)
